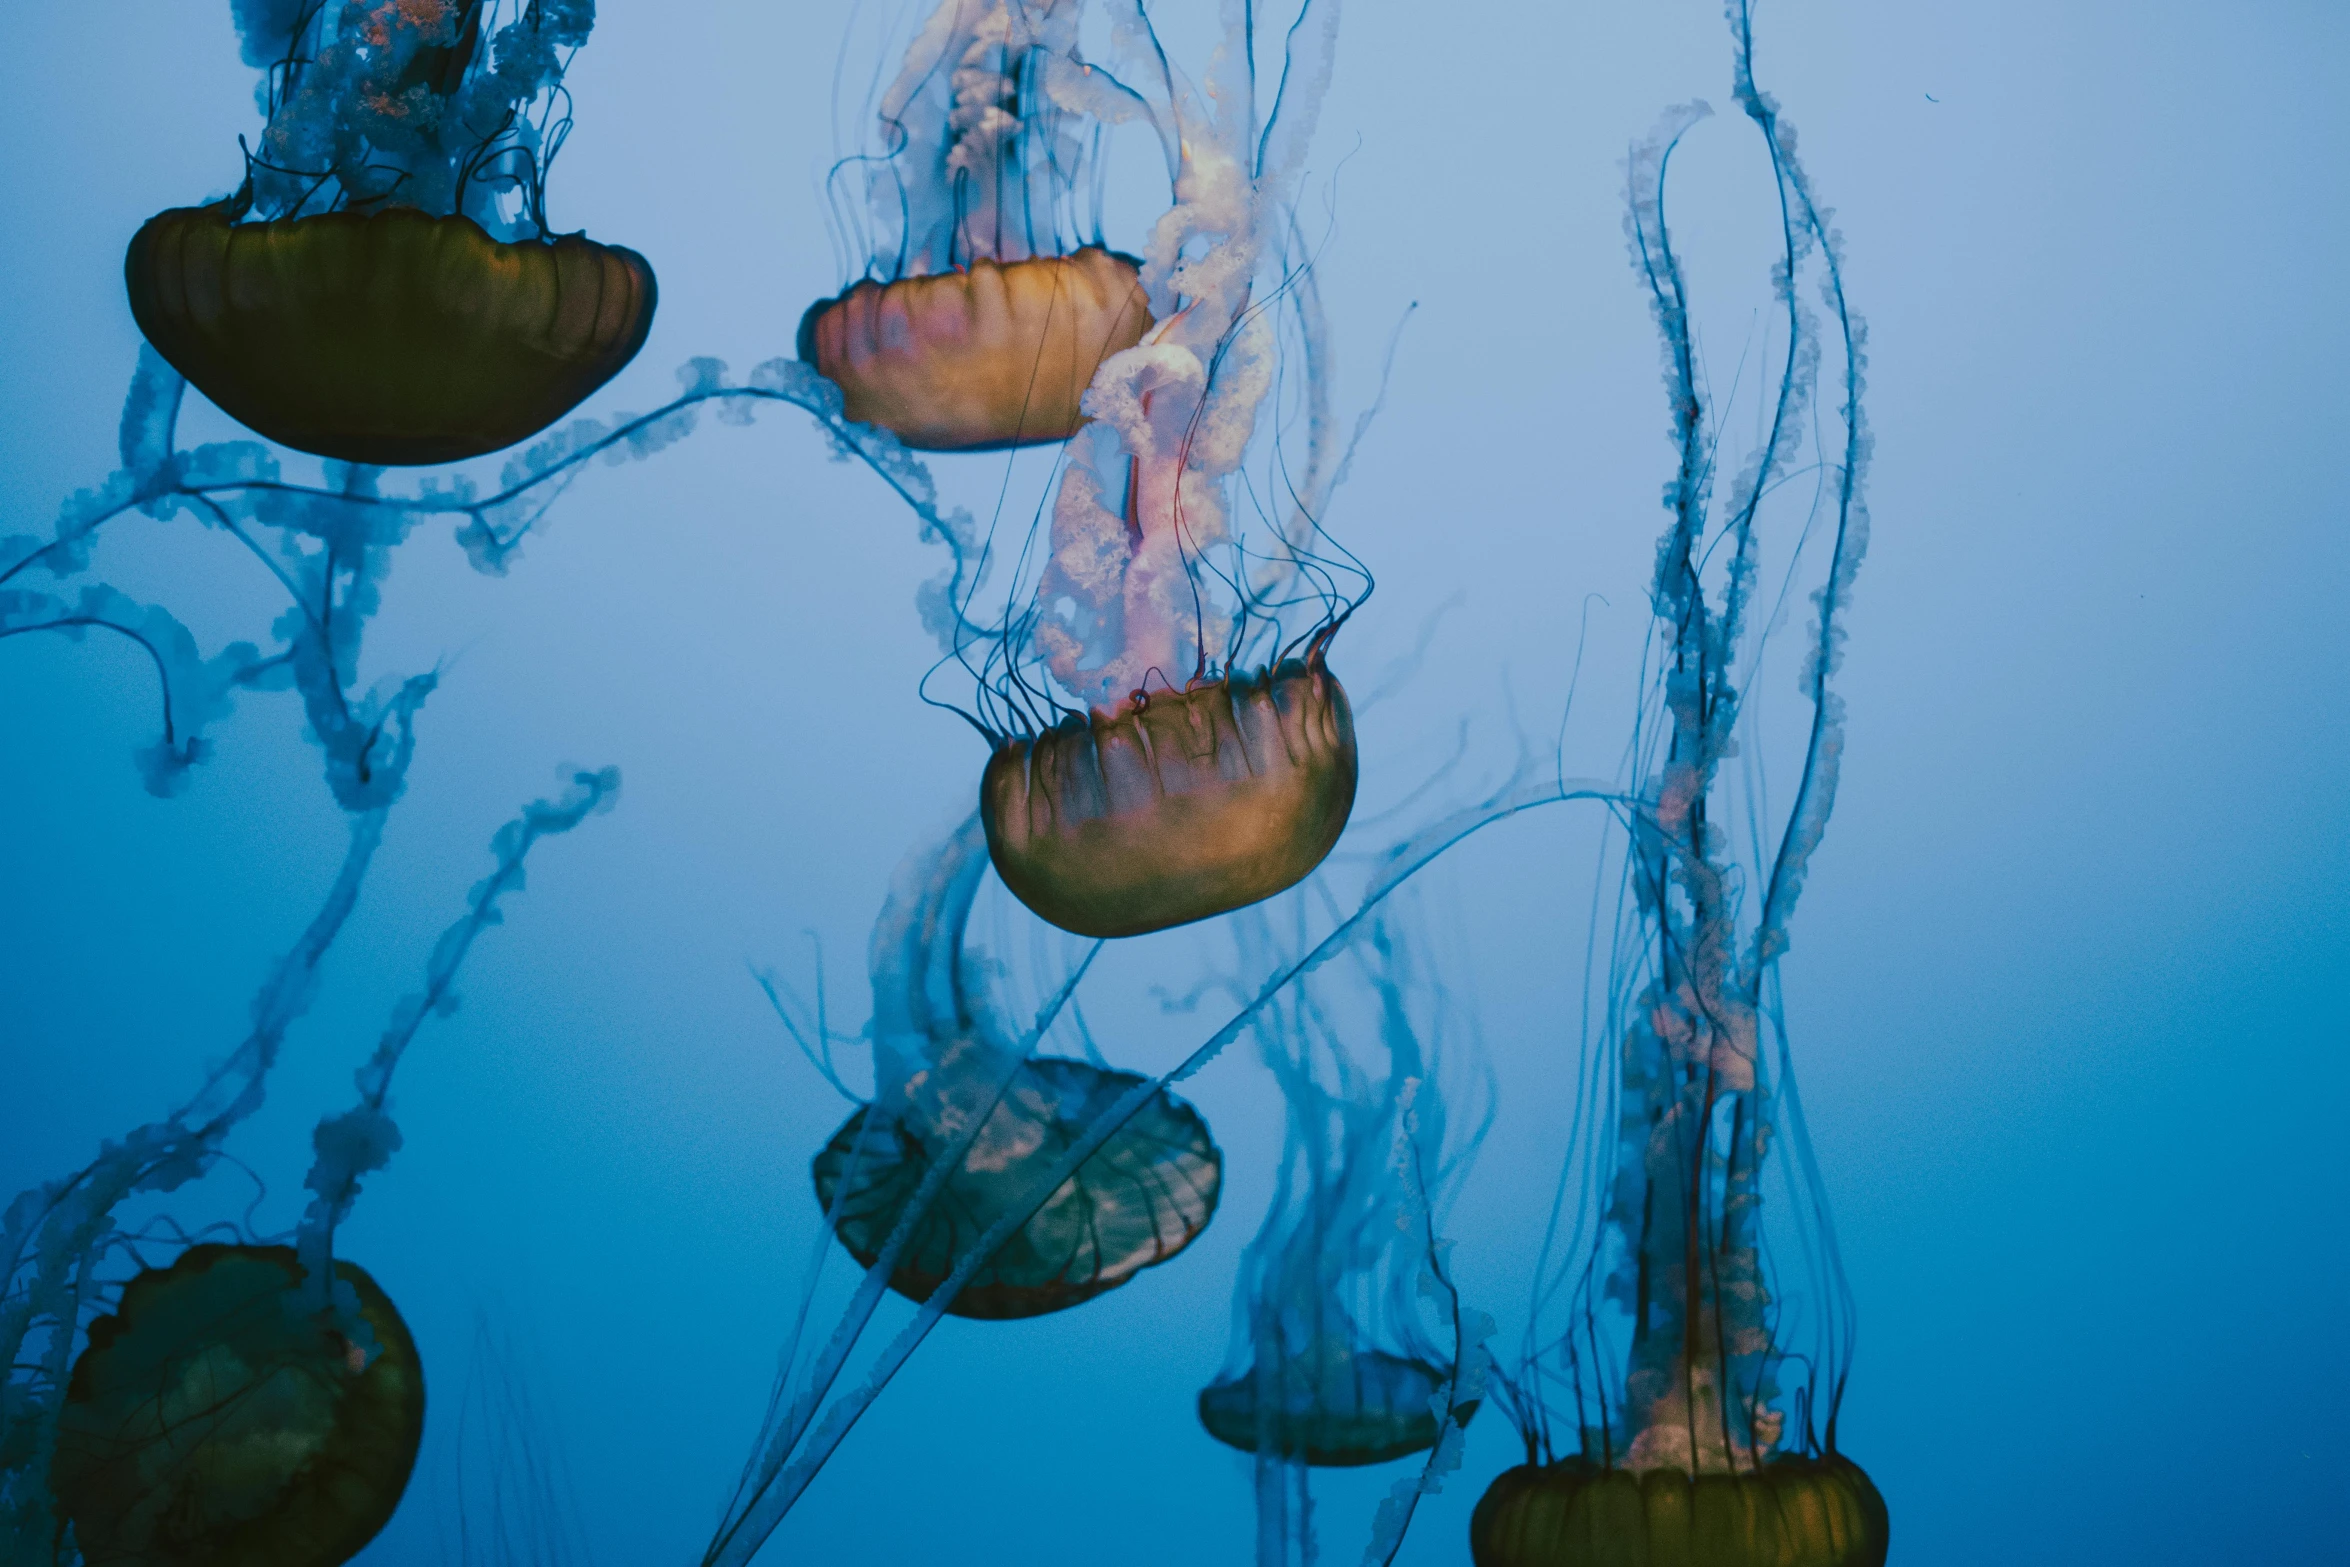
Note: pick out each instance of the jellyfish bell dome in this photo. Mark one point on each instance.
(1180, 806)
(392, 337)
(1340, 1409)
(1787, 1512)
(213, 1418)
(1140, 1198)
(989, 355)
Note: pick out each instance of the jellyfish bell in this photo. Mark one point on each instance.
(217, 1417)
(987, 356)
(1137, 1201)
(1338, 1408)
(393, 337)
(988, 301)
(1787, 1511)
(384, 287)
(1333, 1363)
(1174, 807)
(951, 1080)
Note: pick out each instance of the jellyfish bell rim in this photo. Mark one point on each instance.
(1147, 897)
(866, 400)
(1824, 1511)
(324, 1507)
(993, 1299)
(1417, 1428)
(395, 337)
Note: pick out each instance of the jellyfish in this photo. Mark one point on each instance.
(1332, 1363)
(1701, 1380)
(793, 1444)
(384, 286)
(210, 1419)
(988, 297)
(963, 1121)
(255, 1398)
(1163, 748)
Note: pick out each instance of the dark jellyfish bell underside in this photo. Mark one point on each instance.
(988, 356)
(1366, 1408)
(393, 337)
(1792, 1512)
(211, 1419)
(1143, 1196)
(1180, 807)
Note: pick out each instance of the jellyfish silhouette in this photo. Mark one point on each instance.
(963, 1121)
(1332, 1363)
(1164, 748)
(1702, 1382)
(384, 287)
(987, 298)
(210, 1419)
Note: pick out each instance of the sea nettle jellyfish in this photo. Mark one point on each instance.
(219, 1416)
(1702, 1363)
(1332, 1363)
(248, 1402)
(1164, 750)
(963, 1122)
(384, 287)
(988, 298)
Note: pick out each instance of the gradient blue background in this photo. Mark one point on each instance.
(2067, 985)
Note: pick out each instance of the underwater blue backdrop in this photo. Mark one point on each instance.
(2066, 990)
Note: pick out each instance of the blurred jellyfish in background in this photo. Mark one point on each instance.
(956, 1093)
(985, 297)
(1701, 1363)
(248, 1399)
(1333, 1364)
(384, 285)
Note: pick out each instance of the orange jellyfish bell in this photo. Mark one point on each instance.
(1786, 1512)
(393, 337)
(1336, 1410)
(1180, 806)
(1140, 1198)
(991, 355)
(212, 1419)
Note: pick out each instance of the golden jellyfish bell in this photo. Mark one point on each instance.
(991, 355)
(393, 337)
(1182, 806)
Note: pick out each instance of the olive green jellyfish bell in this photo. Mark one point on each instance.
(1787, 1511)
(384, 287)
(216, 1418)
(394, 337)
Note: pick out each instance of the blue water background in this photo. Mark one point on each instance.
(2067, 986)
